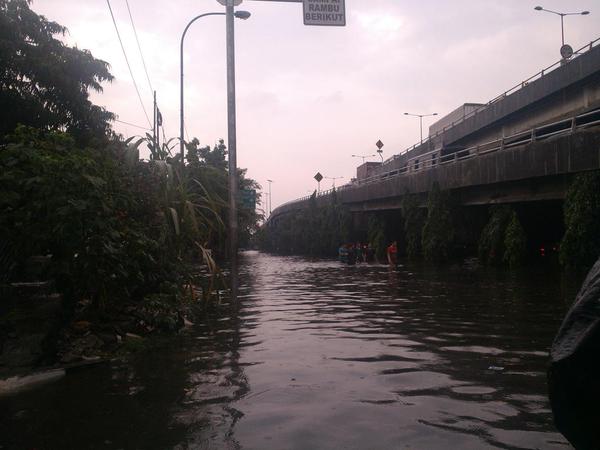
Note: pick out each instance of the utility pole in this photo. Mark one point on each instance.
(154, 122)
(231, 134)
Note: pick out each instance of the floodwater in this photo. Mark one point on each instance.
(320, 355)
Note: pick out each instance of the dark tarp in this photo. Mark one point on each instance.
(582, 320)
(574, 374)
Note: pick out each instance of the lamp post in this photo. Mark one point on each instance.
(240, 15)
(333, 180)
(269, 181)
(420, 116)
(562, 16)
(363, 157)
(231, 137)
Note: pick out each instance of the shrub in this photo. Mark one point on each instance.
(515, 242)
(580, 245)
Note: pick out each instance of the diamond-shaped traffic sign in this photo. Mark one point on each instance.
(318, 177)
(379, 144)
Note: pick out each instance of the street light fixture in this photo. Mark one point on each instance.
(333, 180)
(238, 14)
(269, 181)
(363, 157)
(420, 116)
(562, 25)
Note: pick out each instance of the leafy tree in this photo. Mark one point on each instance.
(98, 216)
(43, 82)
(492, 242)
(376, 236)
(414, 218)
(317, 230)
(515, 242)
(438, 232)
(207, 170)
(580, 246)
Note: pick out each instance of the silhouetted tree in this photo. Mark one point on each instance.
(43, 82)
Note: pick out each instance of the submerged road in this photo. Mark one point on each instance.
(320, 355)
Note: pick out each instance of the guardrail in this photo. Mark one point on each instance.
(427, 161)
(586, 48)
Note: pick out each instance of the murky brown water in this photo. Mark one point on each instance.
(318, 355)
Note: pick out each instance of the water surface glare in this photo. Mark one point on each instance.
(319, 355)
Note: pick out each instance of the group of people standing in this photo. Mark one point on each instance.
(353, 253)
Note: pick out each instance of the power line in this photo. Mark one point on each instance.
(132, 125)
(127, 61)
(139, 47)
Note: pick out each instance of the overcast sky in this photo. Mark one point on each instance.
(310, 97)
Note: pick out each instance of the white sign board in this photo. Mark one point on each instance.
(325, 12)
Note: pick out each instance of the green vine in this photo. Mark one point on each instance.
(580, 246)
(515, 242)
(438, 233)
(414, 219)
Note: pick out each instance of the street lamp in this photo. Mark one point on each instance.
(269, 181)
(238, 14)
(420, 116)
(562, 26)
(333, 180)
(363, 157)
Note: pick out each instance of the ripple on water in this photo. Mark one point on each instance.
(318, 355)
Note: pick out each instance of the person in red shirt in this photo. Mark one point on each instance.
(392, 254)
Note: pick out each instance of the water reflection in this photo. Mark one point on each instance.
(315, 354)
(368, 357)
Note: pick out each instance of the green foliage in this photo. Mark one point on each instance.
(438, 232)
(99, 218)
(503, 240)
(414, 220)
(580, 246)
(491, 242)
(43, 82)
(376, 236)
(316, 231)
(208, 168)
(515, 242)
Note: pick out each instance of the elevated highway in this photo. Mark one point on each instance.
(524, 145)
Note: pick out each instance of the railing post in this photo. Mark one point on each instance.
(573, 124)
(477, 149)
(533, 135)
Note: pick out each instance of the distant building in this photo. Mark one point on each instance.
(367, 169)
(456, 115)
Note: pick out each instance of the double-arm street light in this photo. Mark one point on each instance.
(562, 16)
(363, 157)
(333, 180)
(238, 14)
(420, 116)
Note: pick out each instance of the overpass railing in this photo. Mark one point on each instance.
(461, 154)
(430, 160)
(586, 48)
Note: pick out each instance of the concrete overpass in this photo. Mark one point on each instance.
(524, 145)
